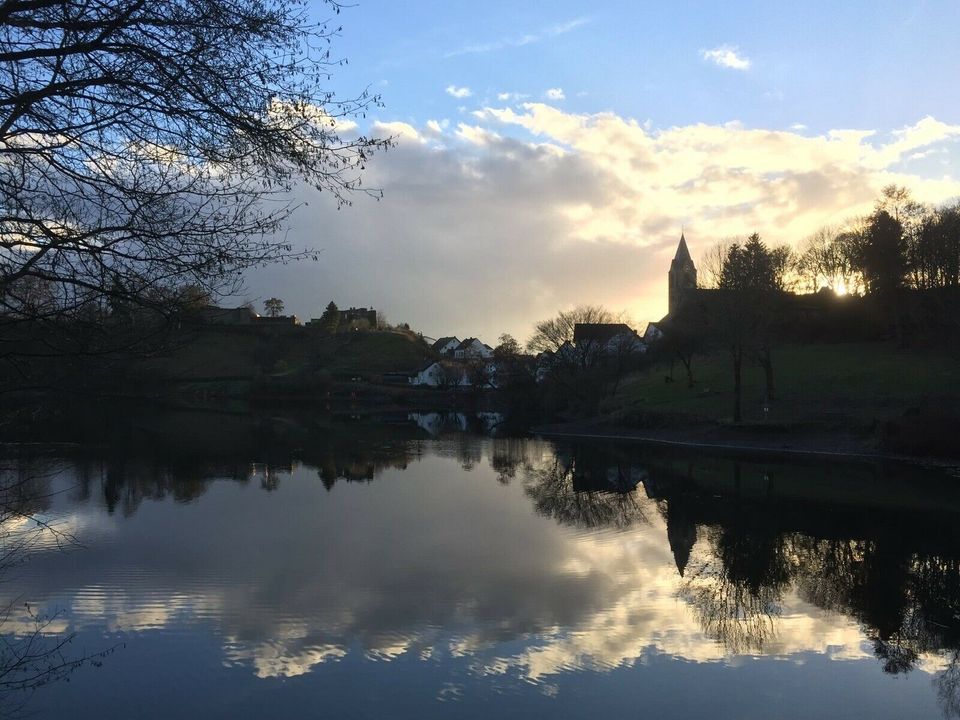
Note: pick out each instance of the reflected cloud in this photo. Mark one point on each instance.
(540, 561)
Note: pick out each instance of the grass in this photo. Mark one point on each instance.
(227, 353)
(837, 383)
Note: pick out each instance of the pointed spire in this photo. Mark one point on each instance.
(683, 254)
(681, 534)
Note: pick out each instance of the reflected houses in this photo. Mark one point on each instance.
(589, 581)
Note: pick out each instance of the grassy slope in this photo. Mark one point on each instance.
(840, 383)
(239, 353)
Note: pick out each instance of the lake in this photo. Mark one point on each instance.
(223, 566)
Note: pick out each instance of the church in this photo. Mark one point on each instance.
(682, 276)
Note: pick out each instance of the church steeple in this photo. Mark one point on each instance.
(683, 254)
(682, 275)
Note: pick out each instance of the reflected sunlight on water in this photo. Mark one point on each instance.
(466, 568)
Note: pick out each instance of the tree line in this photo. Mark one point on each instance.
(901, 244)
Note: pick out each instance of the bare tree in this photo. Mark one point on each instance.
(550, 335)
(712, 262)
(148, 145)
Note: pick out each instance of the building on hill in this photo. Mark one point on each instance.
(822, 316)
(682, 276)
(352, 315)
(473, 349)
(446, 346)
(607, 338)
(212, 315)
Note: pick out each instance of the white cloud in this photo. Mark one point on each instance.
(555, 94)
(400, 130)
(435, 128)
(727, 56)
(510, 96)
(476, 135)
(458, 92)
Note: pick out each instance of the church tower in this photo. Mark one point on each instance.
(682, 276)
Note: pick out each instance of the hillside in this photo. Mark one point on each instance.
(847, 387)
(218, 355)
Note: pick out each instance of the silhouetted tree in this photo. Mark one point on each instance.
(140, 141)
(712, 262)
(883, 258)
(550, 335)
(933, 253)
(684, 336)
(828, 258)
(273, 307)
(331, 317)
(744, 312)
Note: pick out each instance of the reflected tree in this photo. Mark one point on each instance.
(566, 489)
(737, 591)
(34, 650)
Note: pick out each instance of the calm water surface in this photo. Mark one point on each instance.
(333, 569)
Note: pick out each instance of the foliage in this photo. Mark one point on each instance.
(883, 258)
(273, 307)
(331, 317)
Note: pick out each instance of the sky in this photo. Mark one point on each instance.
(550, 154)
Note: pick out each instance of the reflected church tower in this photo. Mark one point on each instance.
(682, 276)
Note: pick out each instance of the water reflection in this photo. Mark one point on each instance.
(498, 562)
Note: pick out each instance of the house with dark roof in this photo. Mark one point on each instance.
(607, 338)
(473, 349)
(446, 346)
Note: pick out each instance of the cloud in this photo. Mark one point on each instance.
(545, 33)
(458, 92)
(510, 96)
(727, 56)
(555, 94)
(526, 210)
(401, 131)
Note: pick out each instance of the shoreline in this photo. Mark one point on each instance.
(742, 442)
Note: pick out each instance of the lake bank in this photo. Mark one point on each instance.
(755, 439)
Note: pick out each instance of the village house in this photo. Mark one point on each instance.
(652, 333)
(473, 349)
(358, 315)
(441, 374)
(452, 374)
(607, 338)
(446, 346)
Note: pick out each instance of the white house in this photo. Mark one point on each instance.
(452, 374)
(438, 374)
(446, 346)
(473, 349)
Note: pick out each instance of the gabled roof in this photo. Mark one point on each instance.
(600, 332)
(443, 341)
(426, 365)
